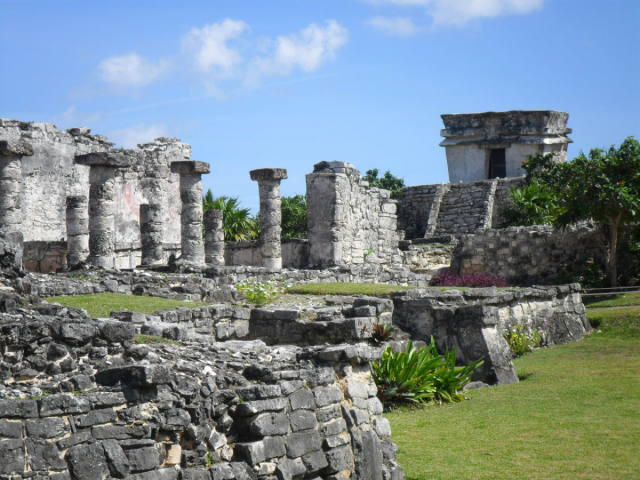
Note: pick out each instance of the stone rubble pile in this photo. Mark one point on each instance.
(83, 400)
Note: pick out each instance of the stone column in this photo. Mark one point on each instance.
(11, 237)
(102, 206)
(191, 216)
(151, 234)
(270, 215)
(77, 230)
(213, 237)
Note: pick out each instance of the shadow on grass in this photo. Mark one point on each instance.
(524, 376)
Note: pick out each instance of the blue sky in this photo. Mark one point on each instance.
(253, 84)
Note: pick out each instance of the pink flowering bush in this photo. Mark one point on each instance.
(475, 280)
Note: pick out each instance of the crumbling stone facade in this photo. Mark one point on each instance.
(348, 222)
(50, 175)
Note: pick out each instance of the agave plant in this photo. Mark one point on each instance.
(238, 223)
(420, 375)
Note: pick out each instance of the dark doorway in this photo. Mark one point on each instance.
(497, 163)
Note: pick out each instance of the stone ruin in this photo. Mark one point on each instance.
(280, 392)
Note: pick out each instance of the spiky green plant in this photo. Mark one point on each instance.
(238, 223)
(421, 375)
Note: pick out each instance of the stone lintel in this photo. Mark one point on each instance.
(104, 159)
(189, 167)
(514, 122)
(268, 174)
(15, 148)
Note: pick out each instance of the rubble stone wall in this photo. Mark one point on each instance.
(528, 254)
(502, 199)
(50, 175)
(348, 222)
(92, 403)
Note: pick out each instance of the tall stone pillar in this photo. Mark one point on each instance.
(191, 216)
(102, 206)
(11, 237)
(213, 237)
(77, 229)
(151, 234)
(270, 215)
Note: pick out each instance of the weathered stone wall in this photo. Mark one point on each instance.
(425, 256)
(295, 253)
(50, 175)
(348, 222)
(90, 403)
(528, 255)
(474, 321)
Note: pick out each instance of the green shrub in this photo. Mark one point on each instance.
(523, 337)
(420, 375)
(294, 216)
(261, 294)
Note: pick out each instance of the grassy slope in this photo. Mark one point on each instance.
(102, 304)
(612, 300)
(574, 416)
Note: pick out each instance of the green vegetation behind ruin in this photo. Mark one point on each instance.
(102, 304)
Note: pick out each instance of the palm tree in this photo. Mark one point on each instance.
(238, 223)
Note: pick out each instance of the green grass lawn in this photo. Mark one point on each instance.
(612, 300)
(102, 304)
(575, 415)
(344, 288)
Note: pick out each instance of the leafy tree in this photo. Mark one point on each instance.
(294, 216)
(604, 187)
(533, 204)
(238, 223)
(388, 182)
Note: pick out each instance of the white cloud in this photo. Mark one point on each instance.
(212, 54)
(133, 135)
(207, 46)
(131, 70)
(459, 12)
(72, 117)
(400, 26)
(308, 50)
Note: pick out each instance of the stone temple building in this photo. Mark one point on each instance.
(491, 145)
(69, 197)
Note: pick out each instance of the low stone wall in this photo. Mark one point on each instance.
(45, 257)
(502, 198)
(422, 257)
(474, 321)
(295, 253)
(528, 255)
(86, 402)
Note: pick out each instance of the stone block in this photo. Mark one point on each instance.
(12, 454)
(47, 428)
(190, 167)
(18, 409)
(299, 444)
(87, 462)
(135, 375)
(142, 459)
(62, 404)
(268, 174)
